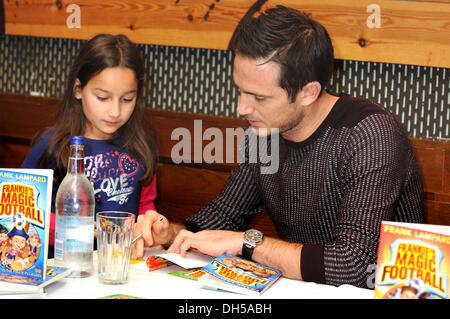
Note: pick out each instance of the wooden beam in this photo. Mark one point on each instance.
(409, 32)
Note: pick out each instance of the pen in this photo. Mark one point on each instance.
(136, 238)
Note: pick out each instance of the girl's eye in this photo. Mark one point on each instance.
(102, 98)
(127, 100)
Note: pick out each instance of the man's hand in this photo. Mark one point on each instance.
(209, 242)
(272, 252)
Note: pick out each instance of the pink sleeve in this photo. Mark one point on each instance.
(148, 194)
(51, 235)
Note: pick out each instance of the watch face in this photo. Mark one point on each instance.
(253, 236)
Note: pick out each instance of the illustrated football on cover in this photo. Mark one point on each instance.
(239, 275)
(25, 198)
(413, 261)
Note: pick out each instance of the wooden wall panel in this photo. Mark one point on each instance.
(446, 173)
(178, 185)
(434, 162)
(166, 122)
(34, 113)
(12, 154)
(410, 32)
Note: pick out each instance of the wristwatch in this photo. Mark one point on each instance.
(252, 238)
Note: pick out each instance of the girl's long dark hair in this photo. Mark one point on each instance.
(102, 51)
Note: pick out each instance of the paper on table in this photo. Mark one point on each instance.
(192, 259)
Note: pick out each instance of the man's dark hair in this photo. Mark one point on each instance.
(300, 44)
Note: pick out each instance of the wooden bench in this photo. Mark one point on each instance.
(185, 187)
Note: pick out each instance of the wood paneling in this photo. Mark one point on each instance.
(178, 185)
(432, 162)
(12, 153)
(446, 173)
(184, 188)
(166, 122)
(22, 116)
(410, 32)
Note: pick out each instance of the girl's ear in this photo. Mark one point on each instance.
(77, 89)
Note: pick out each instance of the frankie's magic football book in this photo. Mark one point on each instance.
(239, 275)
(25, 198)
(21, 284)
(413, 261)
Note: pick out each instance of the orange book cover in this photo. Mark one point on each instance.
(413, 261)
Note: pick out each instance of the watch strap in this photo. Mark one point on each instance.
(247, 252)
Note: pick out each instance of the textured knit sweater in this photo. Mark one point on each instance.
(330, 192)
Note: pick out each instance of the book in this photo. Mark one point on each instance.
(150, 261)
(23, 284)
(25, 201)
(149, 264)
(120, 296)
(238, 275)
(191, 274)
(413, 261)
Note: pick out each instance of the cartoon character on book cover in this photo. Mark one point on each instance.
(242, 272)
(412, 264)
(23, 205)
(243, 266)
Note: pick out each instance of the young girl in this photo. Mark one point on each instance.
(103, 103)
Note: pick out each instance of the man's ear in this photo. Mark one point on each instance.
(77, 89)
(310, 92)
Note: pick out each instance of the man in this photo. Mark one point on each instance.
(345, 164)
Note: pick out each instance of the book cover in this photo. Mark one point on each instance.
(239, 275)
(25, 198)
(120, 296)
(23, 283)
(150, 263)
(413, 261)
(191, 274)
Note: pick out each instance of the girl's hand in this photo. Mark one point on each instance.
(156, 231)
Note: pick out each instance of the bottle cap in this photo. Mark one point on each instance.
(77, 140)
